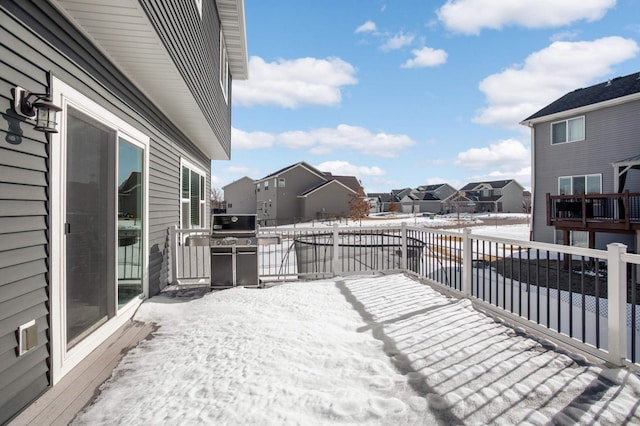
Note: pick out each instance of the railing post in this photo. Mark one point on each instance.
(467, 262)
(617, 303)
(403, 259)
(335, 261)
(173, 250)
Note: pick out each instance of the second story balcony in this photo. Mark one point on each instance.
(618, 212)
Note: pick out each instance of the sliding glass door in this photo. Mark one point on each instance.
(88, 225)
(104, 223)
(130, 220)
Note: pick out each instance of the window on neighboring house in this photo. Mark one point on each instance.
(281, 182)
(581, 184)
(224, 68)
(266, 185)
(192, 199)
(567, 130)
(258, 186)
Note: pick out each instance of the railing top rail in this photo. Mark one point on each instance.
(580, 196)
(631, 258)
(579, 251)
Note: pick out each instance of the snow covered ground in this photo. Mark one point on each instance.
(383, 350)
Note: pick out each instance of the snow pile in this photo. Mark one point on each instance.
(366, 350)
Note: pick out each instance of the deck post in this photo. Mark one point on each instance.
(467, 262)
(335, 261)
(173, 252)
(403, 259)
(617, 303)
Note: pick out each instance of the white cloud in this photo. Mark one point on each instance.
(398, 41)
(327, 140)
(367, 27)
(471, 16)
(294, 83)
(426, 57)
(507, 155)
(517, 92)
(254, 140)
(338, 167)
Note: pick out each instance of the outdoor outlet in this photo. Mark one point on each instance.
(27, 337)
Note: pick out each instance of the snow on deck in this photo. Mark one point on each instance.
(360, 350)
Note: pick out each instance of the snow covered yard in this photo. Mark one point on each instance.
(363, 350)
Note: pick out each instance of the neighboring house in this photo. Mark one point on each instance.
(301, 192)
(240, 196)
(144, 92)
(380, 201)
(423, 199)
(586, 156)
(496, 196)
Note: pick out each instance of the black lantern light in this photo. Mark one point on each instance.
(38, 107)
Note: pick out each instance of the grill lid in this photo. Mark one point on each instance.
(230, 223)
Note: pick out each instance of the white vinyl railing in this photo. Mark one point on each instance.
(584, 297)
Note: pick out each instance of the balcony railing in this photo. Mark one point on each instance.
(585, 297)
(596, 212)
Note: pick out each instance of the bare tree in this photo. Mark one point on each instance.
(358, 205)
(217, 198)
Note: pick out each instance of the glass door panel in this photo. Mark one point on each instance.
(89, 242)
(130, 221)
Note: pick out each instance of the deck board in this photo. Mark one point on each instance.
(60, 404)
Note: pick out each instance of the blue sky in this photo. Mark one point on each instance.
(406, 93)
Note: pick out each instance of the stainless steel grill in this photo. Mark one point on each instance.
(234, 251)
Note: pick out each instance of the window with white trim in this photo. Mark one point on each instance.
(192, 196)
(580, 184)
(266, 185)
(281, 182)
(224, 68)
(570, 130)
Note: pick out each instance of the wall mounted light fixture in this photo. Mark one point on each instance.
(38, 107)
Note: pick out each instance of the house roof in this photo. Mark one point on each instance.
(616, 88)
(292, 166)
(493, 184)
(121, 29)
(349, 181)
(323, 185)
(244, 178)
(430, 188)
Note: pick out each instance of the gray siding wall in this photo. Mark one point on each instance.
(298, 181)
(241, 196)
(35, 39)
(333, 198)
(611, 134)
(285, 205)
(512, 198)
(193, 43)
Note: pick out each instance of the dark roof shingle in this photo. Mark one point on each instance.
(601, 92)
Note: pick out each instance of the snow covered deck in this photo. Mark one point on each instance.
(367, 350)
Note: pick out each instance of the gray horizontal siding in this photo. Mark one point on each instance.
(193, 43)
(23, 229)
(36, 39)
(611, 135)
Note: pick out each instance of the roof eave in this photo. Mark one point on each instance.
(232, 18)
(122, 29)
(581, 110)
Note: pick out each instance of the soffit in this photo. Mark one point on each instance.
(124, 33)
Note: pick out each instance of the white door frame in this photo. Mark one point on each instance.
(63, 360)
